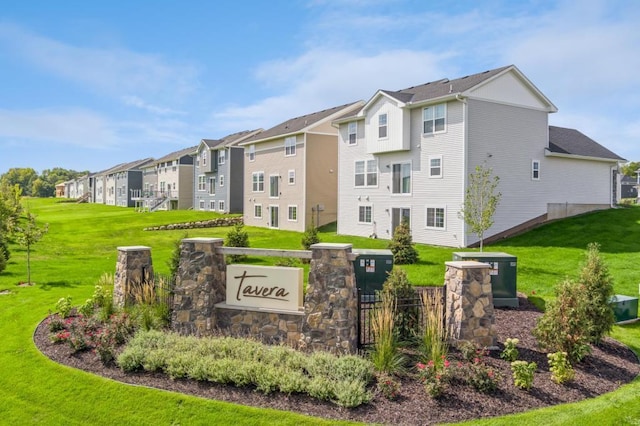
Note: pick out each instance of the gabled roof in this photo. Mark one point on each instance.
(445, 89)
(303, 123)
(571, 142)
(108, 171)
(130, 166)
(175, 155)
(229, 140)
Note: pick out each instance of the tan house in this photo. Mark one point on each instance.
(291, 172)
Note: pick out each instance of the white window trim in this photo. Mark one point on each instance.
(212, 205)
(201, 179)
(365, 174)
(254, 211)
(290, 174)
(291, 147)
(386, 125)
(252, 153)
(288, 213)
(365, 205)
(349, 133)
(402, 194)
(221, 206)
(278, 180)
(445, 120)
(436, 228)
(533, 163)
(270, 224)
(221, 179)
(201, 204)
(212, 185)
(222, 157)
(256, 174)
(432, 176)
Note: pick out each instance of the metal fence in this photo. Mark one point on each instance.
(409, 318)
(164, 286)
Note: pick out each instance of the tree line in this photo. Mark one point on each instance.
(33, 184)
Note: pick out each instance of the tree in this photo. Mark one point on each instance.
(23, 177)
(401, 245)
(480, 201)
(27, 234)
(10, 209)
(630, 168)
(599, 290)
(237, 237)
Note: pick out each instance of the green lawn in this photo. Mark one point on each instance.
(81, 245)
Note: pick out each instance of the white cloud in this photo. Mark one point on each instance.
(324, 78)
(112, 71)
(137, 102)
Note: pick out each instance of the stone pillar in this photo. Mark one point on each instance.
(330, 304)
(469, 303)
(133, 266)
(201, 283)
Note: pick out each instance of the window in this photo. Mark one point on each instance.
(257, 211)
(435, 217)
(293, 213)
(221, 181)
(366, 173)
(365, 214)
(212, 205)
(252, 152)
(382, 126)
(204, 158)
(273, 186)
(290, 146)
(352, 132)
(201, 204)
(435, 167)
(212, 185)
(202, 183)
(257, 179)
(221, 156)
(401, 178)
(221, 206)
(173, 186)
(433, 119)
(292, 177)
(535, 170)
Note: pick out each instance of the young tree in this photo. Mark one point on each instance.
(401, 245)
(27, 234)
(480, 201)
(237, 237)
(599, 289)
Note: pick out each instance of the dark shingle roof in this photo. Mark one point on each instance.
(175, 155)
(572, 142)
(229, 139)
(297, 124)
(131, 166)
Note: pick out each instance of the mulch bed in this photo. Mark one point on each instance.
(610, 365)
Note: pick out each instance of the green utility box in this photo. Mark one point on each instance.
(371, 268)
(625, 308)
(503, 275)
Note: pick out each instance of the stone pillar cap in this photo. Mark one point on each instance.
(467, 264)
(133, 248)
(331, 246)
(202, 240)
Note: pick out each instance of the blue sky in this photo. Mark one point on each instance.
(86, 85)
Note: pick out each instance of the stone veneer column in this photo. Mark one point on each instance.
(330, 304)
(133, 266)
(469, 303)
(201, 283)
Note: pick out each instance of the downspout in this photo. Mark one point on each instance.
(304, 184)
(611, 168)
(465, 156)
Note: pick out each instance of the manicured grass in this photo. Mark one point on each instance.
(82, 243)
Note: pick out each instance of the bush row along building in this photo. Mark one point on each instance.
(401, 155)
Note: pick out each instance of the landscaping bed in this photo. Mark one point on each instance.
(605, 369)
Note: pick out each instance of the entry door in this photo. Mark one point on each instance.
(399, 214)
(273, 215)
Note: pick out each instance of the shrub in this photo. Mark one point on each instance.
(174, 260)
(3, 260)
(87, 308)
(237, 237)
(482, 377)
(560, 367)
(523, 373)
(401, 245)
(599, 290)
(55, 324)
(407, 315)
(105, 346)
(4, 249)
(310, 237)
(388, 386)
(351, 393)
(434, 376)
(510, 351)
(564, 325)
(63, 306)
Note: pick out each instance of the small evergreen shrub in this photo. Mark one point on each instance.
(174, 260)
(523, 373)
(310, 237)
(407, 314)
(3, 260)
(401, 245)
(237, 237)
(599, 290)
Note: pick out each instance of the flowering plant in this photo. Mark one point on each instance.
(388, 386)
(434, 376)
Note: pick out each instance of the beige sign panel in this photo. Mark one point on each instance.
(265, 287)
